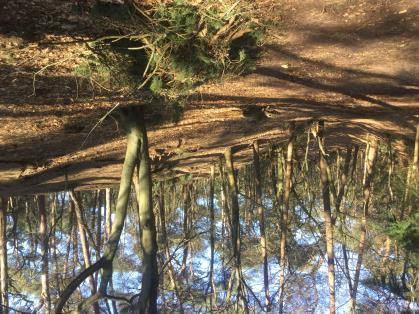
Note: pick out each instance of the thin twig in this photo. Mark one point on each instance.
(43, 69)
(98, 123)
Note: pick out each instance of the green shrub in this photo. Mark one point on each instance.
(168, 49)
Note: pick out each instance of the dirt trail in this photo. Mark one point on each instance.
(353, 63)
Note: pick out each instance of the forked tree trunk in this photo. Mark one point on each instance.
(261, 214)
(4, 299)
(284, 216)
(327, 217)
(132, 121)
(43, 235)
(370, 157)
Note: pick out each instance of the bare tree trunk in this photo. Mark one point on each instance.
(415, 163)
(284, 216)
(32, 238)
(84, 243)
(173, 281)
(99, 224)
(341, 192)
(261, 214)
(248, 197)
(224, 215)
(186, 218)
(4, 299)
(108, 227)
(343, 179)
(43, 234)
(385, 259)
(411, 180)
(53, 240)
(213, 299)
(327, 216)
(280, 177)
(370, 157)
(235, 221)
(68, 244)
(354, 161)
(75, 244)
(108, 224)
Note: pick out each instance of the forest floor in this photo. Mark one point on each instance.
(354, 63)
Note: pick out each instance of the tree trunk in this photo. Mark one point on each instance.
(68, 244)
(131, 119)
(354, 161)
(261, 214)
(32, 238)
(99, 224)
(186, 218)
(224, 215)
(327, 216)
(53, 240)
(164, 238)
(150, 277)
(4, 299)
(213, 298)
(370, 157)
(235, 220)
(108, 223)
(248, 187)
(411, 180)
(84, 243)
(43, 235)
(284, 216)
(343, 179)
(235, 214)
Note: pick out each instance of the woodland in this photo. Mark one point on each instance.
(209, 156)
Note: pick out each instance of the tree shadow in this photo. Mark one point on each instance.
(388, 83)
(61, 117)
(33, 20)
(385, 25)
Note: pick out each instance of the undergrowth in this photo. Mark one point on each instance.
(169, 49)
